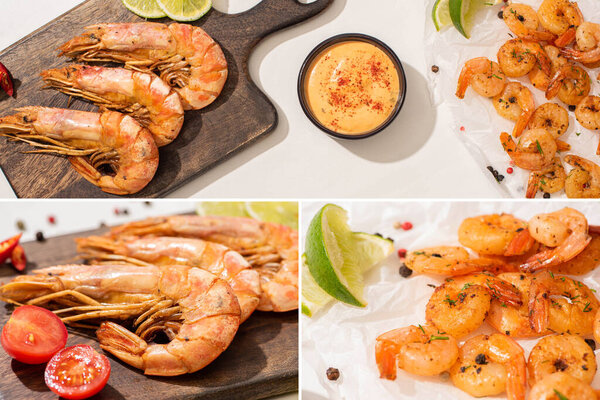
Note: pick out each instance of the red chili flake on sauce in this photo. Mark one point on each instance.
(509, 170)
(401, 253)
(377, 106)
(343, 81)
(407, 226)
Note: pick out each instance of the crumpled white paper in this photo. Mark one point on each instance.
(449, 50)
(343, 336)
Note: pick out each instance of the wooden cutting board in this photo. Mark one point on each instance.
(240, 115)
(262, 360)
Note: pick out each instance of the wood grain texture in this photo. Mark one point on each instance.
(240, 115)
(262, 360)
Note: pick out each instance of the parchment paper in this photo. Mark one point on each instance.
(343, 336)
(482, 125)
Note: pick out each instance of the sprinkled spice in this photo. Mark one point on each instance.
(21, 225)
(509, 170)
(572, 108)
(462, 128)
(546, 195)
(405, 272)
(501, 14)
(51, 219)
(435, 69)
(407, 226)
(39, 236)
(499, 178)
(333, 374)
(401, 253)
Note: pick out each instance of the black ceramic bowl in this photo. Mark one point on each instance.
(351, 37)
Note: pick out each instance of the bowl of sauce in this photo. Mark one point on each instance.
(352, 86)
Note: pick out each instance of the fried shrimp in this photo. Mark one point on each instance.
(490, 365)
(561, 304)
(517, 57)
(511, 320)
(484, 76)
(461, 304)
(583, 181)
(561, 17)
(92, 141)
(196, 310)
(551, 117)
(538, 78)
(588, 114)
(565, 231)
(585, 261)
(212, 257)
(560, 386)
(450, 261)
(535, 151)
(561, 353)
(495, 234)
(421, 350)
(515, 103)
(548, 180)
(588, 39)
(571, 83)
(523, 21)
(183, 55)
(142, 95)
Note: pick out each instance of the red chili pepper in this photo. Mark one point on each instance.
(407, 226)
(401, 253)
(5, 80)
(7, 246)
(18, 259)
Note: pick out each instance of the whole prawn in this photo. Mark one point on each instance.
(143, 95)
(583, 181)
(183, 55)
(91, 141)
(271, 249)
(197, 310)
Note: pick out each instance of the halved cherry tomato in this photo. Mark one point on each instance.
(33, 335)
(6, 83)
(77, 372)
(7, 246)
(18, 259)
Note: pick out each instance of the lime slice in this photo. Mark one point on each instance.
(144, 8)
(227, 208)
(441, 14)
(185, 10)
(331, 256)
(313, 297)
(279, 212)
(371, 249)
(463, 12)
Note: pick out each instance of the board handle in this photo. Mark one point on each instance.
(279, 14)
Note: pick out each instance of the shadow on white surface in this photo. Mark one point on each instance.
(409, 132)
(306, 395)
(258, 56)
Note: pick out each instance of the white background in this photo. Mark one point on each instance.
(417, 156)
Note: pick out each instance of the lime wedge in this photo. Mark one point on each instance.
(227, 208)
(144, 8)
(441, 14)
(185, 10)
(313, 297)
(279, 212)
(371, 249)
(463, 12)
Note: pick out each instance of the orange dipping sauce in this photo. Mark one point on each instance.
(352, 87)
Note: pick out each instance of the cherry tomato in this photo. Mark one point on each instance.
(18, 259)
(77, 372)
(7, 246)
(33, 335)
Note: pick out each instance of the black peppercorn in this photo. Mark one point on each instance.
(546, 195)
(501, 15)
(39, 236)
(333, 374)
(572, 108)
(435, 68)
(405, 272)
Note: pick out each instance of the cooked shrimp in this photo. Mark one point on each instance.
(511, 320)
(585, 261)
(561, 386)
(91, 141)
(561, 353)
(588, 39)
(588, 114)
(450, 261)
(565, 230)
(484, 76)
(523, 21)
(561, 304)
(490, 365)
(271, 249)
(551, 117)
(583, 180)
(421, 350)
(517, 57)
(597, 326)
(495, 234)
(143, 95)
(571, 83)
(535, 151)
(198, 311)
(183, 55)
(548, 180)
(538, 78)
(515, 103)
(561, 17)
(461, 304)
(212, 257)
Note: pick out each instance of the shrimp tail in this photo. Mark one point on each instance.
(385, 357)
(591, 56)
(522, 242)
(464, 80)
(569, 249)
(123, 344)
(566, 38)
(533, 184)
(555, 84)
(505, 292)
(538, 309)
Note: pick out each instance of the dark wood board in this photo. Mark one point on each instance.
(262, 360)
(240, 115)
